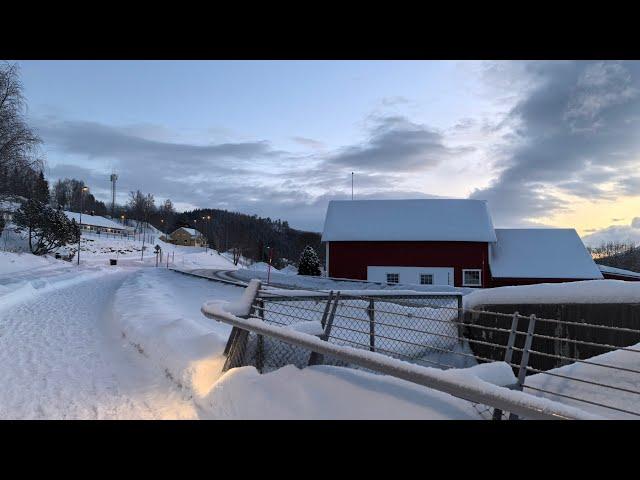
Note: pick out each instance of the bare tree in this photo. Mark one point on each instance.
(19, 144)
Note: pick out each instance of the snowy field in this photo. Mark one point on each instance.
(112, 342)
(102, 342)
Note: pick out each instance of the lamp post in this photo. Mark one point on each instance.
(84, 189)
(208, 229)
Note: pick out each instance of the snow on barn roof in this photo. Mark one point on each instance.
(191, 231)
(408, 220)
(618, 271)
(541, 253)
(95, 220)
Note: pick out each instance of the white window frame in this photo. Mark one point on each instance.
(392, 273)
(426, 275)
(465, 284)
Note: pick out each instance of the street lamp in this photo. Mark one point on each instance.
(126, 234)
(208, 229)
(84, 189)
(206, 241)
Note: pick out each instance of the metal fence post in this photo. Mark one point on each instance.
(460, 319)
(508, 354)
(316, 358)
(260, 347)
(524, 361)
(237, 343)
(323, 322)
(372, 328)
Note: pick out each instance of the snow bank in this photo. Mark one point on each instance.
(325, 392)
(159, 315)
(462, 382)
(28, 284)
(20, 262)
(289, 270)
(261, 267)
(590, 291)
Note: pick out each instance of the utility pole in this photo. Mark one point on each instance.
(113, 179)
(84, 189)
(351, 185)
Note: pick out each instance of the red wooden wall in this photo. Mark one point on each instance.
(350, 259)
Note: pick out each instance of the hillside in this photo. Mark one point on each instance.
(627, 259)
(251, 235)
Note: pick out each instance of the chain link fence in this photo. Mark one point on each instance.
(419, 328)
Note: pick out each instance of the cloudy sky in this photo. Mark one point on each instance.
(546, 143)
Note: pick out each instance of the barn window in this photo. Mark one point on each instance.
(426, 279)
(471, 278)
(393, 278)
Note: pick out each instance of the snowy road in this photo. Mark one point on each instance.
(63, 356)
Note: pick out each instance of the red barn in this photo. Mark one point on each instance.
(434, 241)
(445, 242)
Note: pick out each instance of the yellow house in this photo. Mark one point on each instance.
(187, 236)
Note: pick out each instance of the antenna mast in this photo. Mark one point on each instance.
(114, 177)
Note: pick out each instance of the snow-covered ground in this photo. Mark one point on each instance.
(595, 393)
(97, 341)
(130, 341)
(62, 356)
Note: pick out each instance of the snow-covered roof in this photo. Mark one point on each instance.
(191, 231)
(95, 220)
(541, 253)
(618, 271)
(9, 205)
(408, 220)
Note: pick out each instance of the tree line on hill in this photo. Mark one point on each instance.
(250, 236)
(617, 255)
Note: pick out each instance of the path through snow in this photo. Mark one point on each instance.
(62, 356)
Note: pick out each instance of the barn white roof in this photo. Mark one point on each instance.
(191, 231)
(541, 253)
(408, 220)
(95, 220)
(618, 271)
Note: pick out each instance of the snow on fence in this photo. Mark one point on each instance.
(311, 337)
(434, 330)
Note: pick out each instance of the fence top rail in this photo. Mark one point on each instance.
(354, 294)
(458, 384)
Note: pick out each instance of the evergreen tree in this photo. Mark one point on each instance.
(40, 190)
(1, 224)
(309, 263)
(48, 229)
